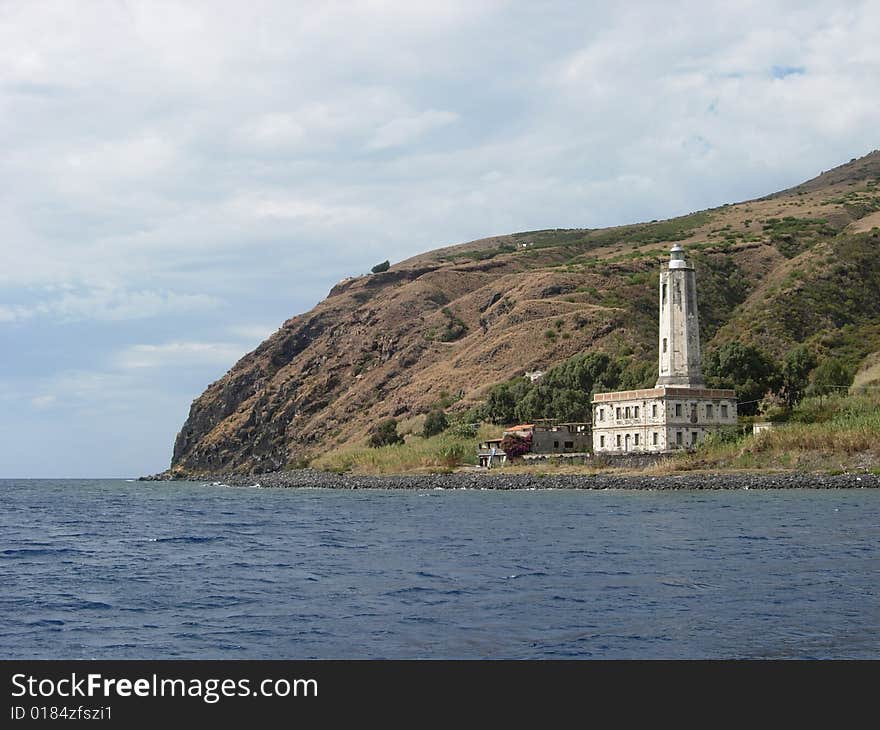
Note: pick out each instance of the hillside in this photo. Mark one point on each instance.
(798, 266)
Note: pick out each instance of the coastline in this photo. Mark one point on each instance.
(313, 479)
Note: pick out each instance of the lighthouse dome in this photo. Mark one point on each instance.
(676, 257)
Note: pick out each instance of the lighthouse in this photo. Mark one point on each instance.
(679, 410)
(679, 344)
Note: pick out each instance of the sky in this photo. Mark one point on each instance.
(179, 178)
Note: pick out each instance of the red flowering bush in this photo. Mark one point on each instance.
(515, 446)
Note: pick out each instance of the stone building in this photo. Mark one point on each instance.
(547, 439)
(679, 410)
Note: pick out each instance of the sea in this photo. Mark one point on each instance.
(119, 569)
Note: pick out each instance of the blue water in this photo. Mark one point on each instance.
(113, 569)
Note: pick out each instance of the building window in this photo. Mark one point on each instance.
(555, 444)
(617, 415)
(618, 441)
(694, 435)
(678, 438)
(601, 414)
(636, 439)
(602, 442)
(627, 412)
(678, 409)
(569, 444)
(654, 438)
(724, 411)
(708, 410)
(664, 344)
(636, 412)
(654, 411)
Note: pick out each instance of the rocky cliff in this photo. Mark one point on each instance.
(801, 265)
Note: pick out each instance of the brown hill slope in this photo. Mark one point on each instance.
(797, 266)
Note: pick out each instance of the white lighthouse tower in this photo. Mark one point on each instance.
(679, 410)
(679, 325)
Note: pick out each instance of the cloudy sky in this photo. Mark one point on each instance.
(178, 178)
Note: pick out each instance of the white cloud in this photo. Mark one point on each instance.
(254, 333)
(108, 305)
(405, 130)
(80, 388)
(43, 401)
(274, 130)
(90, 169)
(280, 206)
(14, 314)
(179, 354)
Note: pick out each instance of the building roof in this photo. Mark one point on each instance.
(665, 391)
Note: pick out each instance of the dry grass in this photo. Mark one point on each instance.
(868, 374)
(438, 454)
(846, 436)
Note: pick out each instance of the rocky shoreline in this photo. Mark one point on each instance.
(310, 478)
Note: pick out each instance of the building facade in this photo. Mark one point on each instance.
(679, 411)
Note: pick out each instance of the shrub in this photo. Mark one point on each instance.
(830, 376)
(385, 433)
(435, 423)
(464, 426)
(454, 329)
(379, 268)
(515, 446)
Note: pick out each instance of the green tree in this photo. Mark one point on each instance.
(830, 376)
(379, 268)
(559, 404)
(746, 369)
(436, 422)
(385, 433)
(637, 374)
(796, 375)
(565, 391)
(501, 403)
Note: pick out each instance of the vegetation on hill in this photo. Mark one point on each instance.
(435, 423)
(564, 392)
(832, 434)
(385, 433)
